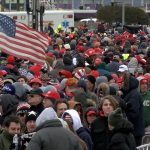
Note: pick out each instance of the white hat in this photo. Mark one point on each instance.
(123, 68)
(67, 46)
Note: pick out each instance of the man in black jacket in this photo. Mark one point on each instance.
(35, 99)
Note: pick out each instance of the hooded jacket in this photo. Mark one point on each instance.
(121, 137)
(9, 104)
(20, 91)
(134, 109)
(46, 114)
(51, 135)
(78, 127)
(132, 65)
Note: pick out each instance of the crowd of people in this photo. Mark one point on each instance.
(92, 93)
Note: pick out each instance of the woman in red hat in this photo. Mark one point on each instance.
(35, 83)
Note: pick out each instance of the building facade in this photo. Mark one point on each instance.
(71, 4)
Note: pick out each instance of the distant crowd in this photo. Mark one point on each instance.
(92, 93)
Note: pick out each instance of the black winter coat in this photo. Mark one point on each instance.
(99, 133)
(122, 137)
(134, 109)
(38, 108)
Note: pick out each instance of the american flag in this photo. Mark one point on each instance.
(21, 41)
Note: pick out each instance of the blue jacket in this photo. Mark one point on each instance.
(84, 135)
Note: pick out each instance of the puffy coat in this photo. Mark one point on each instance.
(122, 137)
(99, 133)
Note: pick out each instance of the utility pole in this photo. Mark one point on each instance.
(42, 9)
(2, 5)
(35, 9)
(72, 4)
(9, 5)
(18, 5)
(123, 13)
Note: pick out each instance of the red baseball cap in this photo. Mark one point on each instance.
(36, 80)
(91, 112)
(52, 94)
(143, 81)
(3, 72)
(94, 73)
(66, 73)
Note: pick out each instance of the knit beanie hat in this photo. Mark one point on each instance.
(23, 108)
(82, 84)
(91, 79)
(32, 115)
(115, 117)
(101, 79)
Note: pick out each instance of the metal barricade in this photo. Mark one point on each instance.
(144, 147)
(146, 138)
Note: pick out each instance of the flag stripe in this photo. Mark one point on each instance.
(21, 41)
(24, 44)
(22, 55)
(33, 34)
(22, 34)
(39, 34)
(20, 49)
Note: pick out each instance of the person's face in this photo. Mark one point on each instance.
(31, 126)
(34, 99)
(22, 80)
(91, 118)
(35, 85)
(107, 107)
(44, 82)
(47, 103)
(61, 108)
(14, 128)
(70, 89)
(121, 74)
(144, 87)
(112, 81)
(89, 85)
(78, 108)
(22, 117)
